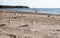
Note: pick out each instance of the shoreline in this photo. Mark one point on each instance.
(37, 13)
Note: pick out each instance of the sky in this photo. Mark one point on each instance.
(33, 3)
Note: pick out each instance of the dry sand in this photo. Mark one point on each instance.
(29, 25)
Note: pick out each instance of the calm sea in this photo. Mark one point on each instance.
(43, 10)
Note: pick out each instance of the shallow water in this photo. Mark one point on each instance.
(45, 10)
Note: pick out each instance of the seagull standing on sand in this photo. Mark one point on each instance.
(10, 21)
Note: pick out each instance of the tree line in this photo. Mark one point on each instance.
(3, 6)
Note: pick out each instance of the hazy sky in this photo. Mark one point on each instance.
(33, 3)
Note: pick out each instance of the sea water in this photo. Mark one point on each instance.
(39, 10)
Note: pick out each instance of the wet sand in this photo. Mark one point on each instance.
(29, 25)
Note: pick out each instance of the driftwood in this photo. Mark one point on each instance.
(48, 15)
(11, 35)
(57, 30)
(2, 25)
(23, 26)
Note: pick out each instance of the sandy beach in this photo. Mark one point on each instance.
(17, 24)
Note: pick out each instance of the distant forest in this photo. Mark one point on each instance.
(5, 6)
